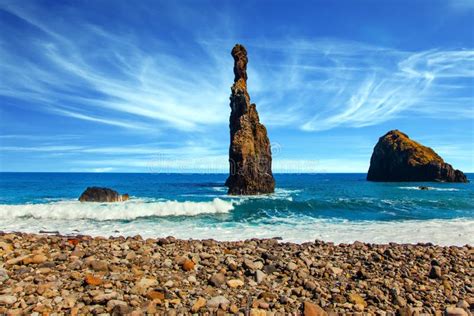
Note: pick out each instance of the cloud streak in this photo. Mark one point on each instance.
(126, 81)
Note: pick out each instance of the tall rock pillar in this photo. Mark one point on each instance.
(250, 155)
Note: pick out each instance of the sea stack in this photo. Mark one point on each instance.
(250, 155)
(396, 157)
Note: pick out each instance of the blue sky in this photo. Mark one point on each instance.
(143, 86)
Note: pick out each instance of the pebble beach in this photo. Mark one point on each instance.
(44, 274)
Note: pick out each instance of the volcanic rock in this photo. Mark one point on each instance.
(398, 158)
(250, 154)
(96, 194)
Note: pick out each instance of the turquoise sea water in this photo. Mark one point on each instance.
(332, 207)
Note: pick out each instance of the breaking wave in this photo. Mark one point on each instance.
(429, 188)
(114, 211)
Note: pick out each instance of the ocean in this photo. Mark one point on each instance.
(340, 208)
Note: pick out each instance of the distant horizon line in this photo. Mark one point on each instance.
(157, 173)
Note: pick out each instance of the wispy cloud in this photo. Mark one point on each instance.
(138, 85)
(114, 78)
(317, 84)
(326, 83)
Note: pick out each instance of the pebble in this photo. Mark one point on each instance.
(235, 283)
(3, 275)
(142, 286)
(188, 265)
(217, 301)
(259, 276)
(217, 279)
(357, 299)
(36, 259)
(455, 311)
(292, 266)
(93, 280)
(7, 299)
(435, 272)
(99, 265)
(311, 309)
(200, 303)
(133, 276)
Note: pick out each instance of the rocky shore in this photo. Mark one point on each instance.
(46, 275)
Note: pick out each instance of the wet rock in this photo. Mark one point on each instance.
(96, 194)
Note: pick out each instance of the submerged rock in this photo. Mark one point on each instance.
(398, 158)
(96, 194)
(250, 154)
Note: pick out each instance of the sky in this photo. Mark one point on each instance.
(143, 86)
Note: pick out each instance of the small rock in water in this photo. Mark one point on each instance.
(54, 232)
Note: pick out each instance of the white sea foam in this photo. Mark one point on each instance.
(279, 194)
(295, 229)
(430, 188)
(72, 210)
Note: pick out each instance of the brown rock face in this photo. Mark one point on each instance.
(96, 194)
(250, 156)
(398, 158)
